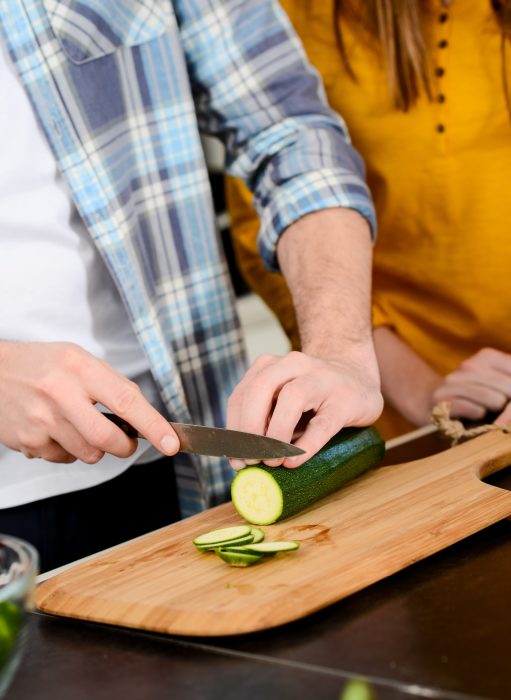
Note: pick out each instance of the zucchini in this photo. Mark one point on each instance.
(215, 545)
(223, 534)
(245, 549)
(263, 495)
(265, 548)
(257, 534)
(239, 558)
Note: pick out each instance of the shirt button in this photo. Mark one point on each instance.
(440, 128)
(443, 17)
(439, 72)
(443, 44)
(440, 98)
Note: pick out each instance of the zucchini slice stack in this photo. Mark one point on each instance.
(241, 545)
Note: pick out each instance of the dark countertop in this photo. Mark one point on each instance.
(439, 629)
(81, 661)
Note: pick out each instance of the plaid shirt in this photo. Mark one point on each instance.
(122, 89)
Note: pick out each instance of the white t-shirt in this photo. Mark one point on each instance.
(54, 286)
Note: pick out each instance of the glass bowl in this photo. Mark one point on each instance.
(18, 568)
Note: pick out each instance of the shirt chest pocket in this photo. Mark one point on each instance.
(90, 29)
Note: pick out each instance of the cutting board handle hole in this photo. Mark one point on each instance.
(502, 479)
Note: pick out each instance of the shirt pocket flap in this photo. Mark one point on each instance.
(89, 29)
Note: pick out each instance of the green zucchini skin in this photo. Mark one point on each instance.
(347, 455)
(239, 559)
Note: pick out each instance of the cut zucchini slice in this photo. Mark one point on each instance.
(216, 545)
(266, 548)
(257, 534)
(257, 496)
(238, 558)
(223, 534)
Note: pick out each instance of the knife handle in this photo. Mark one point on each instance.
(123, 425)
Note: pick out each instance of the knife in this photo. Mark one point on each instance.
(218, 442)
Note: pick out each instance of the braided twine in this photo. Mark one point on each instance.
(455, 430)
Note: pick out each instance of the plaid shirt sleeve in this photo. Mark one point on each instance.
(255, 89)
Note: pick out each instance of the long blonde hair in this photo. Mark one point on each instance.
(397, 26)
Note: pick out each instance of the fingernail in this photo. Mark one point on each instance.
(273, 462)
(291, 462)
(169, 445)
(237, 464)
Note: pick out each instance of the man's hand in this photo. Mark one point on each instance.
(277, 392)
(47, 410)
(326, 260)
(481, 383)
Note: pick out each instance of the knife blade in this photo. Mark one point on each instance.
(219, 442)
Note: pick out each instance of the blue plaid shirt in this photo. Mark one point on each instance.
(122, 89)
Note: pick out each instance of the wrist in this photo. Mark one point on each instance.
(416, 402)
(357, 355)
(326, 260)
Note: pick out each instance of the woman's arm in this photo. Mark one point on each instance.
(408, 383)
(481, 383)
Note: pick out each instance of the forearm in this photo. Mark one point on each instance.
(326, 260)
(281, 136)
(408, 383)
(334, 382)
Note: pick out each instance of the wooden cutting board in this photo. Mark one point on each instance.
(380, 523)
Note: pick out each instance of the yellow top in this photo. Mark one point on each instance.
(440, 176)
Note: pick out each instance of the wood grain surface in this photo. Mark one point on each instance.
(382, 522)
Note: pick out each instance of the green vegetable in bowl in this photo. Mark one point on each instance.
(10, 625)
(18, 569)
